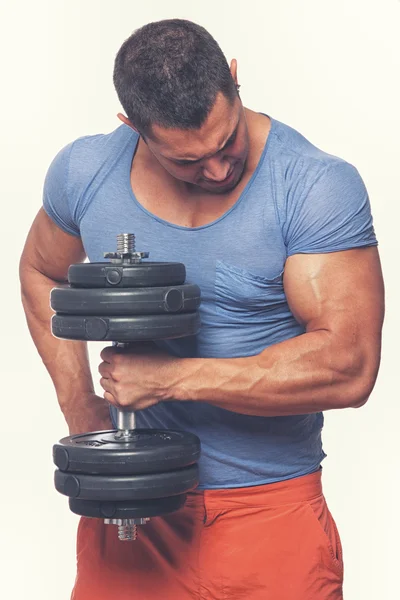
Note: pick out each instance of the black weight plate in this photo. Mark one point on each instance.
(147, 451)
(127, 510)
(144, 274)
(125, 301)
(125, 329)
(120, 488)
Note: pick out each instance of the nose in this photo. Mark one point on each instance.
(216, 169)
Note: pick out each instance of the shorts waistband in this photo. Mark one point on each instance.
(290, 491)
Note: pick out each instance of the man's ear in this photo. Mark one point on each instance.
(126, 121)
(234, 70)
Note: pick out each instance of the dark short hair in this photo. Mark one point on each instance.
(169, 73)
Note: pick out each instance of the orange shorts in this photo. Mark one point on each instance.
(269, 542)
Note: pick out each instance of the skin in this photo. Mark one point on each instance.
(338, 297)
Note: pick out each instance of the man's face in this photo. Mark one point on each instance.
(212, 157)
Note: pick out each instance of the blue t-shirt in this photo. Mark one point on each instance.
(299, 200)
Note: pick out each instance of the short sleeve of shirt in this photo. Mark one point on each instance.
(56, 197)
(332, 213)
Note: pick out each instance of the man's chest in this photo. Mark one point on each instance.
(177, 204)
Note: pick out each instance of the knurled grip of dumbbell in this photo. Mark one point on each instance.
(126, 419)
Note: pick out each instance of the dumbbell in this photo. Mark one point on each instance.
(127, 475)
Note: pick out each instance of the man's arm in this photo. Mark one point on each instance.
(338, 297)
(44, 263)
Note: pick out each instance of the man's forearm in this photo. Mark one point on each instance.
(307, 374)
(66, 361)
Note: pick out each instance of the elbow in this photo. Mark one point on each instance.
(360, 389)
(354, 395)
(359, 401)
(359, 379)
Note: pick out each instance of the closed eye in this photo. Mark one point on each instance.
(187, 162)
(193, 162)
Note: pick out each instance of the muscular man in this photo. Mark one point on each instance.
(279, 236)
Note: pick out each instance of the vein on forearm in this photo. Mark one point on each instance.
(306, 374)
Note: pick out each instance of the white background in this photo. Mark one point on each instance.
(329, 69)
